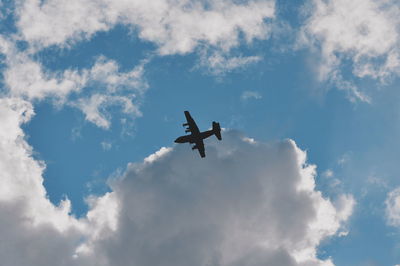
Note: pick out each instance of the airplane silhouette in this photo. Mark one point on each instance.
(196, 136)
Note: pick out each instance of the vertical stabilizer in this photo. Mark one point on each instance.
(217, 130)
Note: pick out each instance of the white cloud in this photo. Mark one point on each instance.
(104, 84)
(246, 95)
(106, 72)
(246, 203)
(174, 26)
(21, 175)
(344, 159)
(106, 145)
(219, 63)
(26, 214)
(362, 32)
(212, 27)
(26, 78)
(377, 181)
(330, 178)
(29, 223)
(393, 207)
(328, 173)
(94, 108)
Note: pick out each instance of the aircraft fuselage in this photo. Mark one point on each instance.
(193, 138)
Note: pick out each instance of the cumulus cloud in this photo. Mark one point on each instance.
(393, 207)
(175, 26)
(26, 214)
(246, 203)
(30, 224)
(362, 32)
(212, 28)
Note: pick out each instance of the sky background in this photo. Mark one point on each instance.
(322, 73)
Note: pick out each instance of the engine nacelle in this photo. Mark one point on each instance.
(194, 147)
(185, 124)
(187, 130)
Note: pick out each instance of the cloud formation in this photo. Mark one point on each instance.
(362, 33)
(220, 63)
(393, 207)
(29, 223)
(247, 95)
(246, 203)
(91, 90)
(211, 28)
(174, 26)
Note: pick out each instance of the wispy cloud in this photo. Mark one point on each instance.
(248, 95)
(106, 145)
(393, 207)
(365, 32)
(103, 82)
(220, 63)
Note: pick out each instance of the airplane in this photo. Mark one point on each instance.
(196, 136)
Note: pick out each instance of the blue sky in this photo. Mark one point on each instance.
(336, 96)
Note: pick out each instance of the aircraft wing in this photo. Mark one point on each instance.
(192, 125)
(200, 147)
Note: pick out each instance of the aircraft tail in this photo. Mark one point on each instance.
(217, 130)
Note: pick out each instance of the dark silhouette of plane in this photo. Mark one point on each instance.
(196, 136)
